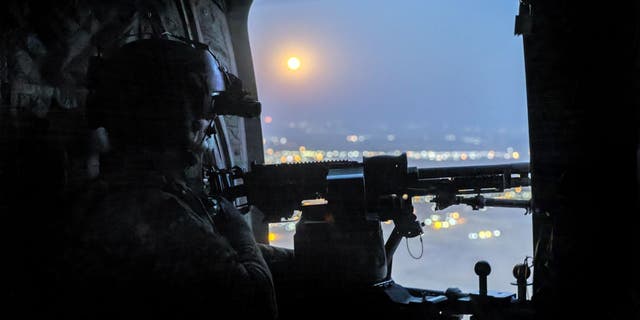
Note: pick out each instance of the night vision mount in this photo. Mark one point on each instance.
(162, 60)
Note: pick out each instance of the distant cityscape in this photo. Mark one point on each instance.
(274, 156)
(304, 141)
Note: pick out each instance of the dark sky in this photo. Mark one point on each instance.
(390, 66)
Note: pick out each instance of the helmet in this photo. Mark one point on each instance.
(158, 67)
(149, 91)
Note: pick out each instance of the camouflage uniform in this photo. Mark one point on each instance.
(151, 245)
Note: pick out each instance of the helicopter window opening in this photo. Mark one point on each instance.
(442, 81)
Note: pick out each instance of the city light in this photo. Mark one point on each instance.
(274, 152)
(484, 234)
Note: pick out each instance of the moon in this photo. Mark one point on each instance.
(293, 63)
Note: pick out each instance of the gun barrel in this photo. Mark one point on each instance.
(448, 182)
(468, 171)
(507, 203)
(479, 201)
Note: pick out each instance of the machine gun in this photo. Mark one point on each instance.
(279, 189)
(378, 189)
(338, 241)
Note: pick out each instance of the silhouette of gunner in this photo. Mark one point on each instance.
(145, 239)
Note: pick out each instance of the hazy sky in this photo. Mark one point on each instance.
(373, 65)
(404, 67)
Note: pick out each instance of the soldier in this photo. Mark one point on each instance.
(145, 240)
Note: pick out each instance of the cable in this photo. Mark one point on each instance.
(421, 248)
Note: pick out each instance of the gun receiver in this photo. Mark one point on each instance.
(279, 189)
